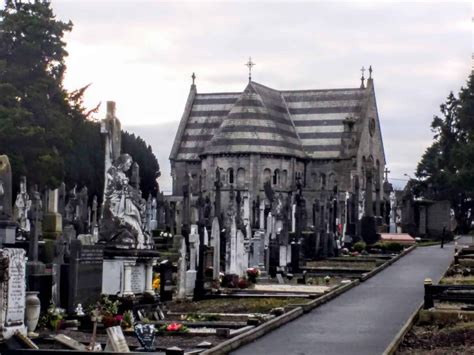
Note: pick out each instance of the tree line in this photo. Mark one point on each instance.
(446, 170)
(46, 131)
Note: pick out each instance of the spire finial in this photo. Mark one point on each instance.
(193, 77)
(362, 86)
(370, 72)
(250, 64)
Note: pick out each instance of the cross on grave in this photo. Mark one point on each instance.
(386, 172)
(250, 64)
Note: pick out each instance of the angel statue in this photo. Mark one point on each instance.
(124, 208)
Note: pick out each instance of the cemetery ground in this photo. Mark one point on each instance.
(366, 318)
(445, 322)
(227, 312)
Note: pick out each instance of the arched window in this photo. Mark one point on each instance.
(323, 181)
(267, 173)
(276, 177)
(223, 175)
(284, 178)
(203, 179)
(230, 174)
(331, 180)
(241, 177)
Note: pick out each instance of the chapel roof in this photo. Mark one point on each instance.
(300, 123)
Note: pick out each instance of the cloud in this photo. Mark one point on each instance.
(141, 55)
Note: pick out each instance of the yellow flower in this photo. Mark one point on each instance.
(156, 283)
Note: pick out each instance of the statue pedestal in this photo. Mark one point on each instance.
(7, 232)
(128, 272)
(52, 225)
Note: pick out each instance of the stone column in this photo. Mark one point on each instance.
(127, 278)
(149, 277)
(368, 194)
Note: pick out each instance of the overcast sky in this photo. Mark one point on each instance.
(141, 54)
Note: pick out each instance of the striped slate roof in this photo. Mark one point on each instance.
(318, 117)
(257, 123)
(305, 123)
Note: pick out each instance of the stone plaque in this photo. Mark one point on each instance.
(138, 278)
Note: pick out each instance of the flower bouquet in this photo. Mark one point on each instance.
(252, 274)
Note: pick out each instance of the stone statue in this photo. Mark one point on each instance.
(121, 223)
(22, 206)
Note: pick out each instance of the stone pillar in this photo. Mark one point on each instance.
(377, 198)
(262, 215)
(149, 278)
(216, 244)
(368, 194)
(182, 268)
(127, 278)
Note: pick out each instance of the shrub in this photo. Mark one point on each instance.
(394, 247)
(359, 246)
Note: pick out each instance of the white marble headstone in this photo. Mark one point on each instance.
(12, 293)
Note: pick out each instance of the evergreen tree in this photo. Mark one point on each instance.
(46, 131)
(446, 170)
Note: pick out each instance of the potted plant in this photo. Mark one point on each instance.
(108, 309)
(252, 274)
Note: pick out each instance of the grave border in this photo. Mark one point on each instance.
(255, 333)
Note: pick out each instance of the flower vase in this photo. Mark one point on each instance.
(32, 308)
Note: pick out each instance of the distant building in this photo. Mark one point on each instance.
(330, 140)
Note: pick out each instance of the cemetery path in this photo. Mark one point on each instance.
(365, 319)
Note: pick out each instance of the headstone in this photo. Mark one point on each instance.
(262, 215)
(182, 269)
(116, 340)
(52, 220)
(83, 281)
(233, 268)
(7, 226)
(138, 278)
(12, 292)
(146, 336)
(5, 188)
(166, 281)
(70, 342)
(240, 254)
(191, 274)
(216, 244)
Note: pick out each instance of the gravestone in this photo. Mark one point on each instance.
(52, 220)
(216, 244)
(146, 336)
(166, 281)
(81, 280)
(7, 226)
(12, 292)
(181, 268)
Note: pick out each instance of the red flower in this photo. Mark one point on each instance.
(174, 327)
(118, 317)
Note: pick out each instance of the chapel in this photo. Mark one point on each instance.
(327, 143)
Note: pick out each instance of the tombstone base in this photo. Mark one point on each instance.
(128, 272)
(190, 282)
(369, 230)
(52, 225)
(7, 232)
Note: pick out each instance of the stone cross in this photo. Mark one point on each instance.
(36, 215)
(110, 127)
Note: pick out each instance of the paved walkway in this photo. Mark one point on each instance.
(365, 319)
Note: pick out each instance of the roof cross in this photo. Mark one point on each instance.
(250, 64)
(386, 171)
(362, 86)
